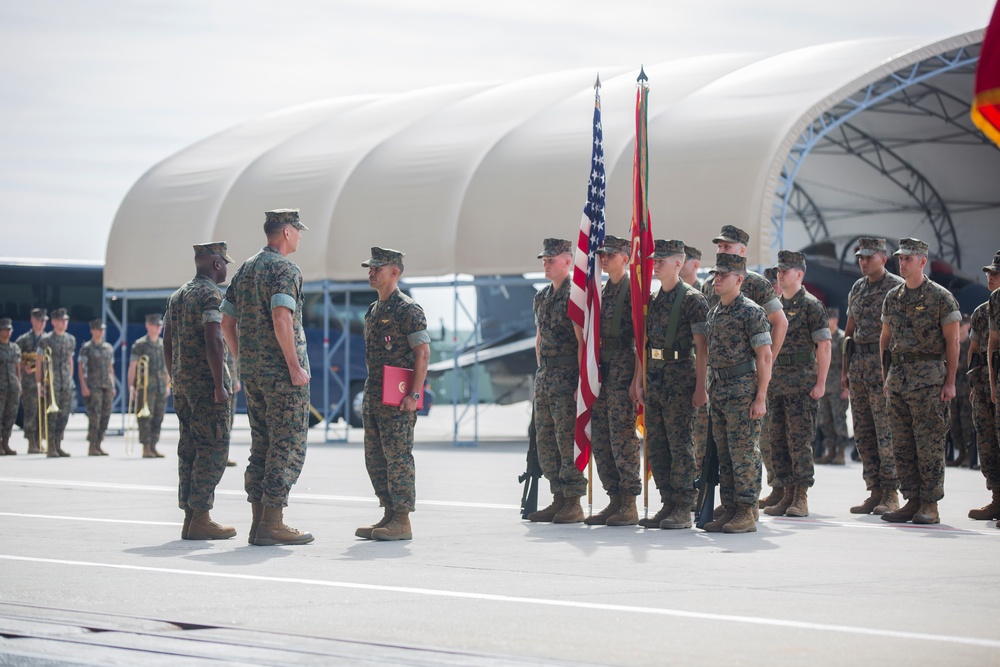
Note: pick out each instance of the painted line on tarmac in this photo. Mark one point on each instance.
(87, 518)
(544, 602)
(882, 525)
(242, 494)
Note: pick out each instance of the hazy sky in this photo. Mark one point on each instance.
(93, 93)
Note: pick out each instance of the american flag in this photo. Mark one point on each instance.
(585, 292)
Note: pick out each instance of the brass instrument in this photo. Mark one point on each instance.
(141, 383)
(28, 359)
(143, 367)
(46, 399)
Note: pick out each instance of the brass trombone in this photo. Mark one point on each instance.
(46, 400)
(141, 383)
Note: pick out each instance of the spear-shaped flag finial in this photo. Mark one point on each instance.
(642, 78)
(597, 84)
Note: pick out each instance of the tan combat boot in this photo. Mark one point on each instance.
(272, 531)
(93, 450)
(365, 532)
(890, 502)
(601, 517)
(928, 513)
(571, 512)
(715, 526)
(904, 513)
(33, 447)
(773, 498)
(62, 452)
(546, 515)
(187, 523)
(869, 503)
(781, 506)
(654, 521)
(828, 453)
(203, 528)
(800, 504)
(257, 511)
(742, 521)
(152, 450)
(627, 514)
(679, 518)
(987, 512)
(398, 528)
(838, 454)
(719, 510)
(147, 452)
(7, 451)
(100, 450)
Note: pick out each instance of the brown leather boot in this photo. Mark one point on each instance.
(782, 505)
(889, 503)
(679, 518)
(398, 528)
(147, 452)
(570, 512)
(627, 514)
(257, 511)
(869, 503)
(773, 498)
(203, 528)
(547, 514)
(715, 526)
(93, 450)
(272, 531)
(601, 517)
(7, 451)
(800, 504)
(928, 513)
(365, 532)
(742, 521)
(987, 512)
(904, 513)
(654, 521)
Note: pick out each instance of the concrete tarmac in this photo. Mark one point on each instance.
(94, 571)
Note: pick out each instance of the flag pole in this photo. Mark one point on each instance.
(590, 454)
(642, 81)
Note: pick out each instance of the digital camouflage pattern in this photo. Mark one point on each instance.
(669, 389)
(917, 418)
(155, 395)
(63, 348)
(28, 344)
(10, 387)
(831, 420)
(734, 332)
(793, 411)
(869, 411)
(963, 432)
(555, 407)
(97, 364)
(613, 438)
(204, 425)
(392, 329)
(756, 287)
(277, 410)
(993, 311)
(983, 410)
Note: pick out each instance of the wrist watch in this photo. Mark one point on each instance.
(415, 396)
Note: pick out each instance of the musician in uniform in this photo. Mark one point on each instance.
(97, 385)
(831, 422)
(152, 388)
(62, 347)
(10, 384)
(28, 342)
(983, 410)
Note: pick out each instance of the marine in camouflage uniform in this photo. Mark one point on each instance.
(613, 438)
(862, 374)
(262, 324)
(10, 384)
(798, 381)
(739, 354)
(395, 335)
(28, 343)
(699, 428)
(62, 347)
(557, 346)
(963, 432)
(195, 357)
(983, 410)
(97, 384)
(156, 390)
(676, 365)
(831, 421)
(920, 330)
(764, 441)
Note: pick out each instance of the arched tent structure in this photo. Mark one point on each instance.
(847, 137)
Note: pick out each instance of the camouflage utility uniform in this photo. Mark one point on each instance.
(278, 411)
(28, 344)
(555, 383)
(919, 420)
(10, 390)
(963, 431)
(155, 395)
(97, 364)
(872, 435)
(62, 347)
(392, 329)
(203, 442)
(670, 385)
(831, 420)
(983, 410)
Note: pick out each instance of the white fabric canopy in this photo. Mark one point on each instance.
(470, 178)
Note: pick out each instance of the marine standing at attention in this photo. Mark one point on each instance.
(28, 342)
(10, 384)
(152, 388)
(97, 385)
(61, 346)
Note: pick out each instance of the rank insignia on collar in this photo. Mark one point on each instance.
(791, 313)
(919, 307)
(385, 321)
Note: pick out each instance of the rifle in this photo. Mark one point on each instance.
(532, 472)
(708, 480)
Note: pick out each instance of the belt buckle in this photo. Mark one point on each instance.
(656, 354)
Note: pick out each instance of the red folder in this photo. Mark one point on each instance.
(396, 383)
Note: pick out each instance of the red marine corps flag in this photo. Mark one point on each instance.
(986, 103)
(640, 264)
(585, 291)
